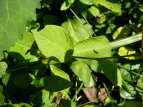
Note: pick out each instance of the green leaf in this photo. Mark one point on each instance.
(87, 2)
(3, 67)
(55, 83)
(94, 11)
(21, 105)
(42, 100)
(115, 7)
(111, 71)
(95, 47)
(2, 102)
(15, 16)
(24, 49)
(126, 91)
(56, 71)
(22, 80)
(78, 30)
(83, 72)
(133, 104)
(121, 32)
(54, 41)
(67, 4)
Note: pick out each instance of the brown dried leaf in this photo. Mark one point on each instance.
(95, 95)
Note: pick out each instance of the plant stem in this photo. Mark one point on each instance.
(126, 41)
(77, 92)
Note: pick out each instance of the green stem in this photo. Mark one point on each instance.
(77, 92)
(126, 41)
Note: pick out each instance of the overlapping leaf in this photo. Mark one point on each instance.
(79, 30)
(15, 16)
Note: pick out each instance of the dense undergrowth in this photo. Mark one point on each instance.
(71, 53)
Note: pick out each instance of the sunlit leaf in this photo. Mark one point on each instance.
(121, 32)
(54, 41)
(87, 2)
(123, 51)
(96, 47)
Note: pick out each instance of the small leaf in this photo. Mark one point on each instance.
(83, 72)
(94, 11)
(128, 51)
(55, 83)
(54, 41)
(121, 32)
(3, 67)
(21, 105)
(67, 4)
(115, 7)
(95, 47)
(87, 2)
(56, 71)
(111, 71)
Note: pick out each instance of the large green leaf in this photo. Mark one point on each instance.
(83, 72)
(54, 41)
(24, 49)
(96, 47)
(115, 7)
(111, 71)
(79, 30)
(15, 16)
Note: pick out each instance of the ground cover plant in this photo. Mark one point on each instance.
(71, 53)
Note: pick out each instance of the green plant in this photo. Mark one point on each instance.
(73, 45)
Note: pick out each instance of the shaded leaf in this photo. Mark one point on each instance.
(121, 32)
(55, 83)
(22, 80)
(2, 102)
(110, 68)
(133, 104)
(95, 47)
(54, 41)
(14, 19)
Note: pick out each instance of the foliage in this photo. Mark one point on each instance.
(72, 55)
